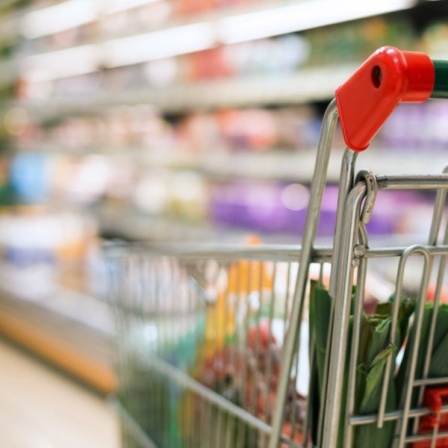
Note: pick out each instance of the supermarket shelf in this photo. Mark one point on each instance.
(310, 84)
(128, 223)
(229, 27)
(288, 16)
(204, 31)
(306, 85)
(70, 330)
(132, 225)
(297, 165)
(279, 164)
(137, 226)
(272, 165)
(58, 17)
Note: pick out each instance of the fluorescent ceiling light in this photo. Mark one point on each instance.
(301, 16)
(114, 6)
(158, 44)
(64, 63)
(60, 17)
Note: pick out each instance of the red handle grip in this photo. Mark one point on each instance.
(386, 78)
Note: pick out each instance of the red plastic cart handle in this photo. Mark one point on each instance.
(386, 78)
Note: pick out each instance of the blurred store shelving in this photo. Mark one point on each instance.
(184, 119)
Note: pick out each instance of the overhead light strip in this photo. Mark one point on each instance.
(301, 16)
(57, 18)
(72, 13)
(114, 6)
(63, 63)
(159, 44)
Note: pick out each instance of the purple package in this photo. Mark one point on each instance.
(281, 208)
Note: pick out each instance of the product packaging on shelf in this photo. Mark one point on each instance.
(43, 250)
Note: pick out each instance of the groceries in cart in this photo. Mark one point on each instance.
(271, 346)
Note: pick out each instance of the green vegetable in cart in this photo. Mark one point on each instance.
(375, 349)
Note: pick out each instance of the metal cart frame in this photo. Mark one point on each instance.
(386, 79)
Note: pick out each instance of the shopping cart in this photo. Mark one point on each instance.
(268, 346)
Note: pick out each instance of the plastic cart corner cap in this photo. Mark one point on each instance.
(388, 77)
(435, 398)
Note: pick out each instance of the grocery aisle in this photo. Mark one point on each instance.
(40, 408)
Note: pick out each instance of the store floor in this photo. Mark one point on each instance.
(41, 408)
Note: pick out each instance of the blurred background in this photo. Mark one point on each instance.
(179, 120)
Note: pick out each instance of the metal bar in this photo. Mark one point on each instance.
(288, 297)
(309, 235)
(210, 396)
(436, 221)
(230, 430)
(430, 381)
(347, 177)
(242, 435)
(392, 415)
(421, 182)
(320, 254)
(434, 435)
(288, 323)
(313, 381)
(203, 250)
(258, 346)
(269, 354)
(354, 349)
(245, 287)
(399, 251)
(188, 397)
(200, 435)
(341, 317)
(256, 266)
(293, 416)
(217, 433)
(435, 227)
(207, 438)
(398, 294)
(422, 437)
(311, 387)
(323, 395)
(388, 372)
(137, 432)
(415, 341)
